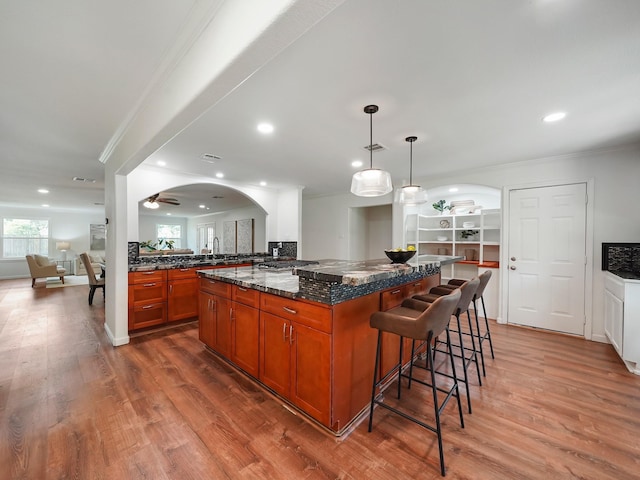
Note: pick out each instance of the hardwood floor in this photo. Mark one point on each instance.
(162, 407)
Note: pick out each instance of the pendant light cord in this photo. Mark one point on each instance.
(411, 163)
(371, 140)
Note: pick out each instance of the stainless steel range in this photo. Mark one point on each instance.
(286, 264)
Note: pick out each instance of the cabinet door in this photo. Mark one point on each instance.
(275, 363)
(183, 299)
(206, 321)
(613, 319)
(222, 320)
(245, 342)
(311, 372)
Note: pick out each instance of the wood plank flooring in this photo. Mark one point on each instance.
(162, 407)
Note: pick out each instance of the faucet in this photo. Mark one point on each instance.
(216, 245)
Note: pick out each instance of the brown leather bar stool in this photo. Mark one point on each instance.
(486, 335)
(423, 326)
(467, 291)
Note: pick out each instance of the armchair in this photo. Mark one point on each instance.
(42, 267)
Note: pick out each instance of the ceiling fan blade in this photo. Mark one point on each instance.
(170, 201)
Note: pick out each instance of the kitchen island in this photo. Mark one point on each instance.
(304, 333)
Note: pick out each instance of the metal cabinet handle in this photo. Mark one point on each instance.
(148, 273)
(231, 314)
(184, 269)
(395, 291)
(146, 307)
(149, 285)
(242, 289)
(284, 332)
(290, 334)
(170, 289)
(290, 310)
(513, 259)
(512, 267)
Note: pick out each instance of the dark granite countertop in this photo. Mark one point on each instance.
(189, 261)
(330, 281)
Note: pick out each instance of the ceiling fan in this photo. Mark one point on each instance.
(154, 201)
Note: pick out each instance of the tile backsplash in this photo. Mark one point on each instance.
(621, 257)
(288, 249)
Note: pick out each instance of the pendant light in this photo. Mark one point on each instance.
(371, 182)
(412, 194)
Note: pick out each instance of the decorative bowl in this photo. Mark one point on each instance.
(400, 256)
(441, 238)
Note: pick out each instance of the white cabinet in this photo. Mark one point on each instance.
(622, 318)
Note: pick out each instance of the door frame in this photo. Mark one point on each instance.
(504, 250)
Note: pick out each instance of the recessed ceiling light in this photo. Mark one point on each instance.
(220, 175)
(263, 184)
(85, 180)
(453, 189)
(162, 163)
(168, 214)
(45, 205)
(554, 117)
(265, 128)
(43, 190)
(356, 163)
(202, 206)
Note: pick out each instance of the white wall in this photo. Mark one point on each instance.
(615, 174)
(259, 226)
(72, 227)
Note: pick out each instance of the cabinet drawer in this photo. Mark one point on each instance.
(216, 287)
(147, 277)
(392, 298)
(147, 315)
(150, 292)
(246, 296)
(416, 288)
(180, 273)
(314, 316)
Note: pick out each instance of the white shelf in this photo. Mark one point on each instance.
(422, 230)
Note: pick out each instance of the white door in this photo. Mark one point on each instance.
(547, 257)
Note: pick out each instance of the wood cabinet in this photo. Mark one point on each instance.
(295, 353)
(182, 296)
(245, 329)
(229, 322)
(319, 358)
(147, 299)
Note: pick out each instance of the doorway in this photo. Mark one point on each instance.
(370, 232)
(547, 257)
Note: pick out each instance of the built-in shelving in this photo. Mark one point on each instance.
(475, 236)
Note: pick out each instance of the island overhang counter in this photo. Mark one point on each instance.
(304, 334)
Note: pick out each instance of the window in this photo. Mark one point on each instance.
(22, 236)
(168, 233)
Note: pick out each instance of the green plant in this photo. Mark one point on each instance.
(149, 245)
(465, 234)
(165, 244)
(440, 206)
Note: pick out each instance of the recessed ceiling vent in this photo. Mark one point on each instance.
(210, 157)
(376, 147)
(217, 197)
(85, 180)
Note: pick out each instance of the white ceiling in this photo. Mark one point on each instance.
(472, 79)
